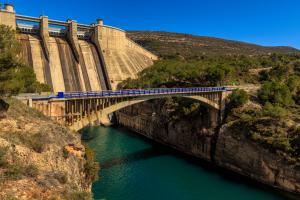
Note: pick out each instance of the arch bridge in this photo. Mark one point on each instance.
(79, 109)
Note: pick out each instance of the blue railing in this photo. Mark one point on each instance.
(135, 92)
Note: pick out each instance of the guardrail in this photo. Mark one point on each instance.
(135, 92)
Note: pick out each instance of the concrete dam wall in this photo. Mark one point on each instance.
(76, 57)
(62, 72)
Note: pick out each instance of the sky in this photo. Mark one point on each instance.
(264, 22)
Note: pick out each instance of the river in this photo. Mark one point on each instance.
(134, 168)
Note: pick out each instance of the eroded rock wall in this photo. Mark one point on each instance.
(223, 147)
(239, 154)
(191, 137)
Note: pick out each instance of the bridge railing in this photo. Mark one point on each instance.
(130, 92)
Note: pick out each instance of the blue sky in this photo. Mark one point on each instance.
(265, 22)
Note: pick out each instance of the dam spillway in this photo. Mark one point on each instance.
(75, 57)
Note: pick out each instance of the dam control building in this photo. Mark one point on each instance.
(69, 56)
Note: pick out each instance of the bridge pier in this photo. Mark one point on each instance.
(214, 117)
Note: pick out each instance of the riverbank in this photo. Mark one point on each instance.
(40, 159)
(224, 148)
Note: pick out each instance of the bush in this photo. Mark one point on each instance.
(15, 77)
(61, 177)
(31, 171)
(274, 110)
(276, 93)
(14, 171)
(36, 142)
(236, 99)
(78, 196)
(91, 167)
(3, 161)
(264, 75)
(9, 197)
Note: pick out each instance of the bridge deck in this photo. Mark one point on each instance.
(130, 93)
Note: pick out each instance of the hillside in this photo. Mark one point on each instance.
(167, 44)
(40, 159)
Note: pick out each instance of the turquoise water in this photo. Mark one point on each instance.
(133, 168)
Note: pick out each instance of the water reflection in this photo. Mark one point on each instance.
(133, 157)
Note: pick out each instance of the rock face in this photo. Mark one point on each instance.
(38, 158)
(239, 154)
(193, 138)
(224, 147)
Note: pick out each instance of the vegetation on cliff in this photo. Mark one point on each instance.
(214, 70)
(274, 124)
(15, 76)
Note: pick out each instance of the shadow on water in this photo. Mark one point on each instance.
(133, 157)
(88, 133)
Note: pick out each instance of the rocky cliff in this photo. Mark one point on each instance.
(224, 147)
(237, 153)
(38, 158)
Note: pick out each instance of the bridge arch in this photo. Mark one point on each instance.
(124, 104)
(102, 115)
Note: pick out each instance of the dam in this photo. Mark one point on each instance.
(69, 56)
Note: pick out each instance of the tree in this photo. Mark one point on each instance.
(15, 77)
(236, 99)
(9, 45)
(276, 93)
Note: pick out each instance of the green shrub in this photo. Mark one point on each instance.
(264, 75)
(14, 171)
(281, 143)
(35, 142)
(3, 162)
(91, 167)
(15, 76)
(78, 196)
(276, 93)
(9, 197)
(274, 110)
(31, 171)
(236, 99)
(61, 177)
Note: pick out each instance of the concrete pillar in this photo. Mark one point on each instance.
(44, 33)
(8, 16)
(80, 109)
(223, 96)
(30, 103)
(73, 39)
(97, 39)
(214, 117)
